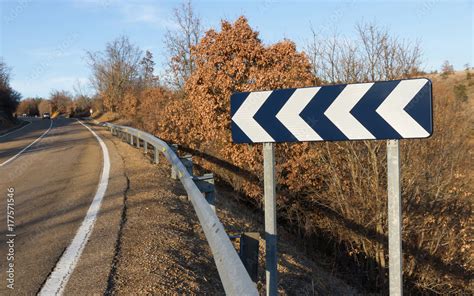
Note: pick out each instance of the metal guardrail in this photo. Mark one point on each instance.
(234, 276)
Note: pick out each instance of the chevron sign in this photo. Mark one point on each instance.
(398, 109)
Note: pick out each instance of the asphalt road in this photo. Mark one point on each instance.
(46, 191)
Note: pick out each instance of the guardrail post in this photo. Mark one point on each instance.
(131, 139)
(174, 147)
(145, 145)
(187, 160)
(206, 185)
(174, 174)
(138, 142)
(156, 155)
(249, 246)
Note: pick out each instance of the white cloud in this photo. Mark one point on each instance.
(144, 11)
(147, 13)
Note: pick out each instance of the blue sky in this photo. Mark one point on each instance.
(45, 41)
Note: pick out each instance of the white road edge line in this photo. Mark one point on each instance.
(57, 280)
(31, 144)
(14, 131)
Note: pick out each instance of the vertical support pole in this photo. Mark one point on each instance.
(395, 271)
(157, 155)
(270, 219)
(138, 142)
(145, 145)
(131, 139)
(187, 161)
(206, 185)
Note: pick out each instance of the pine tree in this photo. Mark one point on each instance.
(148, 67)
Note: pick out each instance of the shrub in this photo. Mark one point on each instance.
(460, 92)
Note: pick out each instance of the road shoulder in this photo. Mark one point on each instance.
(92, 271)
(162, 248)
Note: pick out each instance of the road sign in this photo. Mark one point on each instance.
(397, 109)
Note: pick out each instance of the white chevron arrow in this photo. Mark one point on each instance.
(243, 117)
(392, 111)
(289, 114)
(339, 112)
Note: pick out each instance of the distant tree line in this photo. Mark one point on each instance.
(59, 101)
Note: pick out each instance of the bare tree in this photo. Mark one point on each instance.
(180, 42)
(44, 106)
(446, 69)
(373, 54)
(116, 71)
(61, 101)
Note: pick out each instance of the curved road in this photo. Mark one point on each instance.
(54, 181)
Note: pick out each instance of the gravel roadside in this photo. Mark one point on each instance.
(161, 248)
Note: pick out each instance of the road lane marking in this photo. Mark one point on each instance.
(57, 280)
(13, 131)
(31, 144)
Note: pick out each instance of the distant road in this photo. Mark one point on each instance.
(54, 168)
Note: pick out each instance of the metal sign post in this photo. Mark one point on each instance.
(394, 219)
(271, 260)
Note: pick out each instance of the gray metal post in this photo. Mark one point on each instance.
(206, 185)
(138, 142)
(187, 160)
(395, 271)
(248, 253)
(157, 155)
(131, 139)
(145, 145)
(271, 260)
